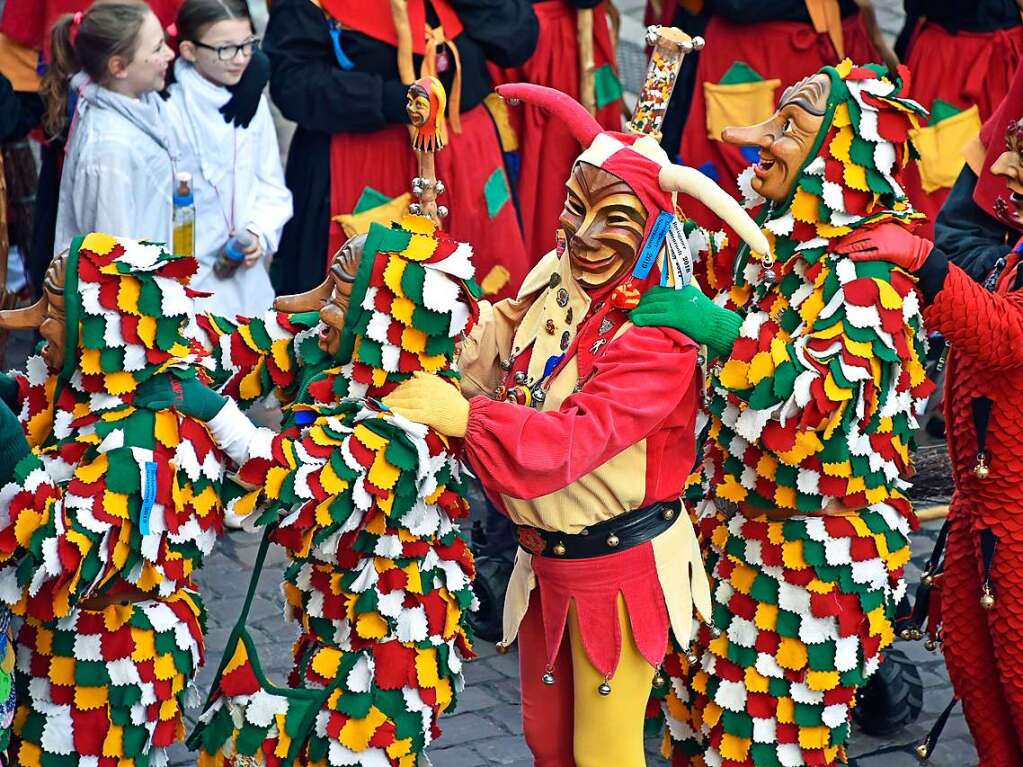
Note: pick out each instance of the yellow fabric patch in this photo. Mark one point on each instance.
(791, 654)
(371, 626)
(420, 247)
(88, 698)
(766, 617)
(99, 243)
(822, 680)
(357, 733)
(62, 671)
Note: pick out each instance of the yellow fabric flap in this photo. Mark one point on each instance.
(18, 64)
(739, 104)
(498, 109)
(359, 223)
(941, 148)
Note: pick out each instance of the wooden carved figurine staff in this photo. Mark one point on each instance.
(587, 61)
(670, 46)
(425, 106)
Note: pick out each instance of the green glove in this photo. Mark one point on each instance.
(9, 391)
(690, 312)
(186, 394)
(13, 445)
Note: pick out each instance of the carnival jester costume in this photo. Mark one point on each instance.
(379, 577)
(811, 415)
(108, 517)
(583, 434)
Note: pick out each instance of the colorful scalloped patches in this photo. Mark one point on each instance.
(380, 577)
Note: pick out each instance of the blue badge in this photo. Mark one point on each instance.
(304, 417)
(552, 363)
(148, 497)
(652, 246)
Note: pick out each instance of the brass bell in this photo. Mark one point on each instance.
(927, 579)
(605, 688)
(502, 648)
(559, 549)
(931, 644)
(692, 657)
(612, 540)
(981, 470)
(668, 514)
(987, 599)
(658, 679)
(548, 677)
(923, 751)
(906, 634)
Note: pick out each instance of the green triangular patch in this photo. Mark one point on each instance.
(369, 199)
(942, 110)
(740, 72)
(607, 87)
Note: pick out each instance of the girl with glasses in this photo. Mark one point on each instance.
(237, 180)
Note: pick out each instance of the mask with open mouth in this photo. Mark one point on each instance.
(830, 158)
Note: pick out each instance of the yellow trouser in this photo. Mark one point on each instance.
(569, 723)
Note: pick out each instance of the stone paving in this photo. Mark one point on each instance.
(486, 729)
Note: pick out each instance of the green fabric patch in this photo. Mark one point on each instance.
(739, 73)
(369, 199)
(607, 88)
(496, 192)
(942, 110)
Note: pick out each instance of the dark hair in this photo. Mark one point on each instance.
(196, 16)
(109, 28)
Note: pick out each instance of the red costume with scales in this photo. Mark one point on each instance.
(984, 327)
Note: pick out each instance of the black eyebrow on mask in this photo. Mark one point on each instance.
(801, 102)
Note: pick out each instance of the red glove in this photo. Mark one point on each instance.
(887, 242)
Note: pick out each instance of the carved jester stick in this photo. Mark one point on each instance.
(670, 46)
(425, 105)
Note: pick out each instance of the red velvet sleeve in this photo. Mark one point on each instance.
(638, 382)
(987, 326)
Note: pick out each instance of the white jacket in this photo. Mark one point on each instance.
(118, 172)
(238, 184)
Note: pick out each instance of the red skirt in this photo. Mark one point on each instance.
(963, 69)
(472, 169)
(786, 50)
(548, 150)
(594, 585)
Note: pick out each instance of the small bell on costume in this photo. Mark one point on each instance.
(987, 598)
(548, 676)
(659, 679)
(923, 751)
(981, 470)
(605, 687)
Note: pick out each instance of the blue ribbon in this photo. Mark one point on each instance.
(339, 53)
(552, 363)
(148, 497)
(652, 246)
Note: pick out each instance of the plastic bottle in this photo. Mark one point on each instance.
(184, 216)
(232, 254)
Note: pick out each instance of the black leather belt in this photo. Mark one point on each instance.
(613, 535)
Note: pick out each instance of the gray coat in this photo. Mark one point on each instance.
(118, 173)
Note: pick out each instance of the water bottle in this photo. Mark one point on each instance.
(232, 254)
(184, 216)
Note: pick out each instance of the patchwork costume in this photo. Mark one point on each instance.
(811, 415)
(379, 577)
(108, 517)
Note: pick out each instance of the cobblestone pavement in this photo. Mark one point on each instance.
(486, 729)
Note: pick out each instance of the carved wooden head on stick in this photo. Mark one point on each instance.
(425, 106)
